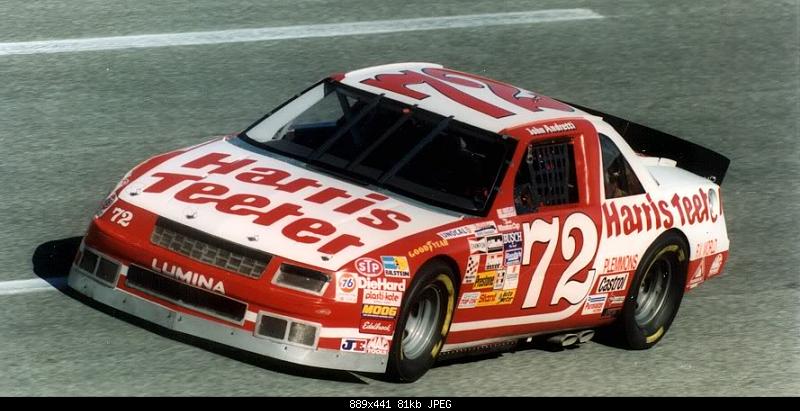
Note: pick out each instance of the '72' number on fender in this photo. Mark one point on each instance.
(540, 231)
(121, 217)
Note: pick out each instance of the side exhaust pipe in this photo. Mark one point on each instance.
(585, 336)
(563, 340)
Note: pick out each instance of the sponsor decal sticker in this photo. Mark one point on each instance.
(514, 257)
(512, 240)
(353, 345)
(499, 279)
(508, 227)
(612, 282)
(494, 261)
(427, 247)
(621, 263)
(297, 203)
(506, 297)
(697, 277)
(488, 298)
(379, 311)
(378, 345)
(457, 232)
(707, 248)
(380, 284)
(478, 246)
(106, 204)
(369, 267)
(382, 297)
(679, 211)
(594, 304)
(715, 265)
(485, 228)
(512, 277)
(376, 326)
(472, 269)
(347, 287)
(616, 300)
(506, 212)
(494, 243)
(469, 300)
(484, 280)
(394, 266)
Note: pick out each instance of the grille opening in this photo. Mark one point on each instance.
(209, 249)
(272, 327)
(89, 261)
(293, 276)
(302, 334)
(287, 330)
(107, 270)
(186, 295)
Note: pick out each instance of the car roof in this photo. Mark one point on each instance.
(479, 101)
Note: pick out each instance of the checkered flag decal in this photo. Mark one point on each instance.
(472, 269)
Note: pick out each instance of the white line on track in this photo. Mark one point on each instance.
(31, 286)
(294, 32)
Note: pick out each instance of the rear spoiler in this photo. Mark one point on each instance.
(689, 156)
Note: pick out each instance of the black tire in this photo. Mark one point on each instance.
(432, 297)
(655, 293)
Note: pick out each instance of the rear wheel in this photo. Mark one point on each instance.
(424, 322)
(656, 292)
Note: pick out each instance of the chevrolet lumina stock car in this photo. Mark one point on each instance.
(395, 215)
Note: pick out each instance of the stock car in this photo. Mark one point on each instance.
(391, 216)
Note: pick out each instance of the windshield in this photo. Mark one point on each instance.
(385, 143)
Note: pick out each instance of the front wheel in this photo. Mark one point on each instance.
(656, 292)
(424, 322)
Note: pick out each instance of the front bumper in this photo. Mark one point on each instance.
(218, 332)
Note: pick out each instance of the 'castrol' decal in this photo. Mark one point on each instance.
(263, 203)
(611, 283)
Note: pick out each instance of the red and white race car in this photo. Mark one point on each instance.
(389, 216)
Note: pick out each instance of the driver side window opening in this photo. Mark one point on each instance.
(618, 177)
(546, 176)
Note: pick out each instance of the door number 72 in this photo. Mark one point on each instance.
(540, 231)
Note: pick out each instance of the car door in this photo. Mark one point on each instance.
(535, 274)
(559, 225)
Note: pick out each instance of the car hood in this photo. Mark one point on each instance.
(259, 201)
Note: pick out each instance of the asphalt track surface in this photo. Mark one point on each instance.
(723, 74)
